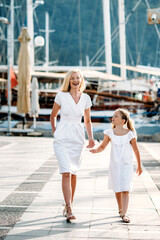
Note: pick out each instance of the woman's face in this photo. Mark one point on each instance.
(117, 118)
(75, 81)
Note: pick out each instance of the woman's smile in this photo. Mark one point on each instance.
(75, 84)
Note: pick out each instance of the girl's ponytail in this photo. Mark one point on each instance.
(130, 124)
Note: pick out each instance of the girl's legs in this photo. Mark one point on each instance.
(73, 185)
(119, 201)
(122, 200)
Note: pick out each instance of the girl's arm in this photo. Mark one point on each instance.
(137, 154)
(53, 116)
(102, 146)
(88, 125)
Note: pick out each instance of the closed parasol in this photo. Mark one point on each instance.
(24, 74)
(34, 101)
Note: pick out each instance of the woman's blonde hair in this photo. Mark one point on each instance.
(126, 116)
(66, 85)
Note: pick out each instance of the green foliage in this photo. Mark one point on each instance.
(71, 42)
(79, 31)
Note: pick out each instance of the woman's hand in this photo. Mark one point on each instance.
(91, 143)
(53, 129)
(139, 170)
(93, 151)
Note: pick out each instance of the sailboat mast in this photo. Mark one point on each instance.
(107, 35)
(122, 37)
(47, 38)
(12, 32)
(30, 30)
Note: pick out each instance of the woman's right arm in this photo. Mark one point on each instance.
(53, 116)
(102, 146)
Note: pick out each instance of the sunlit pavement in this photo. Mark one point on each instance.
(31, 199)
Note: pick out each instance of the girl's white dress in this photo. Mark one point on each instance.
(69, 137)
(121, 161)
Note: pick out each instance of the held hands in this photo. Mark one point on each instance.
(139, 170)
(93, 150)
(91, 143)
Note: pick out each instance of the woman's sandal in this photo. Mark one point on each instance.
(65, 211)
(120, 213)
(69, 216)
(125, 218)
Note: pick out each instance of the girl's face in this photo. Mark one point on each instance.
(117, 119)
(75, 81)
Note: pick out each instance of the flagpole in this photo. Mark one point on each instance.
(9, 79)
(5, 21)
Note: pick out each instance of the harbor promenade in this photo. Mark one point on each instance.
(31, 201)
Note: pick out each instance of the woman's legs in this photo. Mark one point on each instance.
(73, 185)
(66, 187)
(67, 193)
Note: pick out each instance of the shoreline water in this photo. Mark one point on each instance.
(146, 132)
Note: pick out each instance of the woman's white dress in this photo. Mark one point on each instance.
(121, 161)
(69, 137)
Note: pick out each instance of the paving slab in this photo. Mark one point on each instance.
(31, 200)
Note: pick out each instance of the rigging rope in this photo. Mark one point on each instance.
(115, 31)
(66, 29)
(70, 38)
(91, 27)
(156, 58)
(54, 10)
(79, 28)
(142, 43)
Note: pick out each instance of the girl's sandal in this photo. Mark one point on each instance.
(125, 219)
(70, 215)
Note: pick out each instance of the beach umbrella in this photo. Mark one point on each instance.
(34, 101)
(24, 75)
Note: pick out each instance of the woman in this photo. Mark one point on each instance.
(69, 136)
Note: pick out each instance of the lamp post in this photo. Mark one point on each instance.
(5, 21)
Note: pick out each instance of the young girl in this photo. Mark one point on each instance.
(123, 140)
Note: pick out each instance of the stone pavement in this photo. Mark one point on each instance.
(31, 199)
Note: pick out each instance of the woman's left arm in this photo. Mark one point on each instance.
(88, 125)
(137, 154)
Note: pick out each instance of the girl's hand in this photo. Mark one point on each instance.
(139, 170)
(93, 151)
(91, 143)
